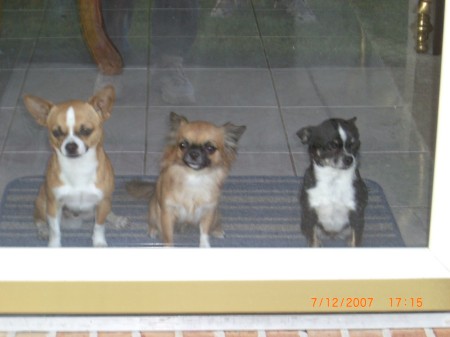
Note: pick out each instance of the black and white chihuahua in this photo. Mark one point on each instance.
(333, 196)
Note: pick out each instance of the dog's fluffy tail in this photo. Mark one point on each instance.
(140, 189)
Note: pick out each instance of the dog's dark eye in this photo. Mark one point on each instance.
(183, 145)
(58, 133)
(354, 143)
(210, 148)
(335, 144)
(84, 131)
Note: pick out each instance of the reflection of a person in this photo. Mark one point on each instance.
(117, 19)
(177, 18)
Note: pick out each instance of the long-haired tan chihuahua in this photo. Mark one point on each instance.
(195, 164)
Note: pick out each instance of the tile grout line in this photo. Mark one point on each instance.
(386, 332)
(274, 87)
(344, 333)
(429, 332)
(25, 75)
(147, 96)
(222, 333)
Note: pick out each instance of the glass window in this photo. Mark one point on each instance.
(275, 125)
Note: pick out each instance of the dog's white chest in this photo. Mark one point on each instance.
(333, 197)
(195, 198)
(78, 175)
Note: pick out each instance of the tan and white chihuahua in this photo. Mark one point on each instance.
(79, 177)
(195, 164)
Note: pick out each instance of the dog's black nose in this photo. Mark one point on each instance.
(348, 160)
(194, 154)
(71, 148)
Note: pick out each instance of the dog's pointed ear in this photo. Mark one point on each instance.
(103, 101)
(352, 120)
(304, 134)
(38, 107)
(232, 135)
(176, 121)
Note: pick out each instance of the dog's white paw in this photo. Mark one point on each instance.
(54, 242)
(204, 241)
(99, 243)
(117, 221)
(153, 232)
(121, 222)
(220, 234)
(43, 232)
(98, 236)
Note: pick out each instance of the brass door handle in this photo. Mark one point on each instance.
(424, 26)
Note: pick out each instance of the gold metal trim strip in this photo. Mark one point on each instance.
(217, 297)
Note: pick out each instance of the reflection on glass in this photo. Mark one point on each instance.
(275, 66)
